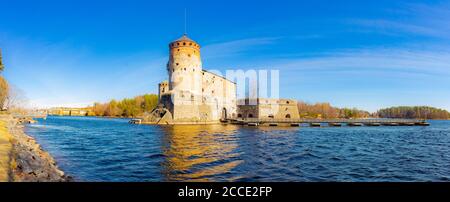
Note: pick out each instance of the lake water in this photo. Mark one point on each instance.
(100, 149)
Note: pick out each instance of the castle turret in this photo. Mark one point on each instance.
(185, 66)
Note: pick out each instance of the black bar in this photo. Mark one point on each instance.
(239, 191)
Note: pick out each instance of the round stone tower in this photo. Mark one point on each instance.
(185, 67)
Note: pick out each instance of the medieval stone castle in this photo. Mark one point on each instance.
(193, 95)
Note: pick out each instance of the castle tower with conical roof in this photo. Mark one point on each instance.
(185, 66)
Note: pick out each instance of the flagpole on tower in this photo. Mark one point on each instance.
(185, 21)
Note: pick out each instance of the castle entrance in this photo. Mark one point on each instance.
(224, 114)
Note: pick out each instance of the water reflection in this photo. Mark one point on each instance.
(199, 152)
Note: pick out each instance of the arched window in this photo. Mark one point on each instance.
(239, 115)
(287, 102)
(250, 115)
(184, 44)
(288, 116)
(270, 116)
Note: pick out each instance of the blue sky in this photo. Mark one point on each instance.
(349, 53)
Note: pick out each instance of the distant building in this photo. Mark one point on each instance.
(266, 108)
(65, 111)
(195, 96)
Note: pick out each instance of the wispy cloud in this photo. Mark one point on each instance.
(235, 48)
(434, 62)
(419, 19)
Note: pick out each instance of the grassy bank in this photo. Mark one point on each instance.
(5, 152)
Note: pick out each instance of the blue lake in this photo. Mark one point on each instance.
(100, 149)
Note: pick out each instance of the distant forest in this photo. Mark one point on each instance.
(417, 112)
(128, 107)
(326, 111)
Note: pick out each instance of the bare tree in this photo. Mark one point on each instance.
(16, 100)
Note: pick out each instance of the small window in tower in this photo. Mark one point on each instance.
(189, 55)
(177, 64)
(178, 50)
(203, 90)
(184, 44)
(184, 69)
(212, 92)
(178, 43)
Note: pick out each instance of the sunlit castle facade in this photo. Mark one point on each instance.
(192, 95)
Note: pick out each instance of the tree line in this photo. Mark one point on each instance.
(415, 112)
(4, 88)
(325, 110)
(128, 107)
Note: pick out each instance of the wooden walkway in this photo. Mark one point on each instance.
(330, 122)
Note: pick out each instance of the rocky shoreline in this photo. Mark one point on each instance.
(29, 162)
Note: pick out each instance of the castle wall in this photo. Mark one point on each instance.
(220, 94)
(278, 109)
(269, 109)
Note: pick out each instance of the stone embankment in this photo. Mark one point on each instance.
(22, 159)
